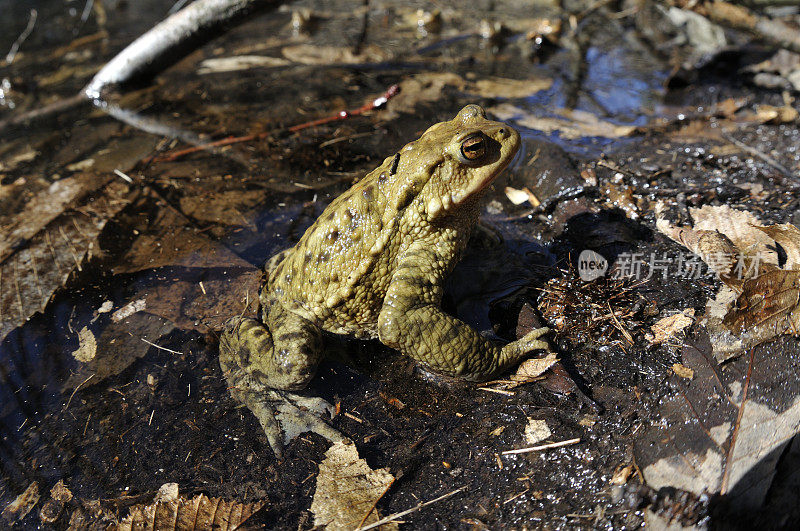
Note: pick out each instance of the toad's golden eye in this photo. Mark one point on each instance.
(474, 147)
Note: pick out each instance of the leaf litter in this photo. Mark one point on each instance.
(51, 246)
(760, 300)
(726, 426)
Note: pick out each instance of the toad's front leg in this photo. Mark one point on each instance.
(412, 322)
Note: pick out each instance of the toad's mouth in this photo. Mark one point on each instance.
(478, 186)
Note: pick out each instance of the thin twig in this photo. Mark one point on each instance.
(372, 508)
(160, 347)
(619, 325)
(76, 390)
(417, 507)
(729, 458)
(12, 53)
(498, 391)
(542, 447)
(341, 115)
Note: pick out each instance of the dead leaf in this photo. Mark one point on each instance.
(119, 344)
(788, 237)
(33, 271)
(620, 195)
(87, 346)
(228, 208)
(11, 162)
(203, 305)
(166, 493)
(531, 369)
(570, 124)
(621, 475)
(741, 227)
(428, 87)
(129, 309)
(536, 431)
(22, 504)
(421, 88)
(198, 513)
(347, 490)
(724, 430)
(171, 241)
(671, 326)
(219, 65)
(682, 371)
(498, 87)
(769, 114)
(768, 306)
(309, 54)
(516, 196)
(759, 301)
(18, 225)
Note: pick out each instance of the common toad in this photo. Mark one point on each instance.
(372, 266)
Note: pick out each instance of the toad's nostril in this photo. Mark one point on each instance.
(503, 132)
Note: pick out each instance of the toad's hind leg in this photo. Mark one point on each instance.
(263, 367)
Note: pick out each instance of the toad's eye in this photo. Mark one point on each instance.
(473, 147)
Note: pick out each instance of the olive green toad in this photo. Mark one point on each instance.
(372, 266)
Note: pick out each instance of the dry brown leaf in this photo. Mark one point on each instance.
(671, 326)
(227, 208)
(19, 225)
(428, 87)
(205, 305)
(682, 371)
(421, 88)
(760, 301)
(498, 87)
(347, 489)
(534, 367)
(730, 241)
(129, 309)
(788, 236)
(119, 344)
(725, 430)
(31, 274)
(309, 54)
(517, 197)
(621, 196)
(536, 431)
(171, 241)
(621, 475)
(571, 124)
(769, 305)
(22, 504)
(217, 65)
(87, 346)
(770, 114)
(198, 513)
(740, 226)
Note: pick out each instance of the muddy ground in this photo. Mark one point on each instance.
(187, 234)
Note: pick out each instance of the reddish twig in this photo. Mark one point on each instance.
(729, 458)
(377, 103)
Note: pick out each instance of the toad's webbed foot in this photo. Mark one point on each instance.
(284, 415)
(261, 372)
